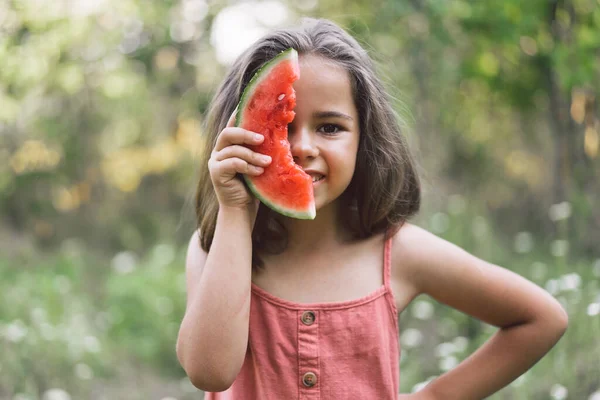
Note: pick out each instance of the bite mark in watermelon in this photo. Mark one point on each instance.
(266, 107)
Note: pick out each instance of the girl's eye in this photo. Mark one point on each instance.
(330, 129)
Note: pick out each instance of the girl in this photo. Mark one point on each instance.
(280, 308)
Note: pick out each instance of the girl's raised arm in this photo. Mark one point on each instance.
(213, 337)
(531, 321)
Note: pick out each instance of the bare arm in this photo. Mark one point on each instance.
(530, 320)
(213, 337)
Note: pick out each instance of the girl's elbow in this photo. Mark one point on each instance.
(562, 320)
(201, 382)
(208, 381)
(558, 320)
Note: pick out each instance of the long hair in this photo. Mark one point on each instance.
(384, 191)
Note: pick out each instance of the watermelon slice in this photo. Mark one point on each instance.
(266, 107)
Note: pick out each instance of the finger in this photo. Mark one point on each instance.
(233, 166)
(233, 135)
(231, 121)
(244, 153)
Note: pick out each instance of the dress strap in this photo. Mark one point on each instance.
(387, 260)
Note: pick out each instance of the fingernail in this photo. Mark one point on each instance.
(258, 136)
(266, 158)
(234, 112)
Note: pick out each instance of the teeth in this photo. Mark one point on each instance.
(317, 178)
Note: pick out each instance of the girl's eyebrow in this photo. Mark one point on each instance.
(331, 114)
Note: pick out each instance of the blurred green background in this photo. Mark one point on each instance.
(101, 112)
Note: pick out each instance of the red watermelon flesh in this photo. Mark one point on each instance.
(266, 107)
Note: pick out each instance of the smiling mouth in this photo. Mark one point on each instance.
(317, 178)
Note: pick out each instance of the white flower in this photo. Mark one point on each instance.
(422, 310)
(194, 10)
(595, 395)
(560, 211)
(445, 349)
(593, 310)
(56, 394)
(447, 363)
(559, 392)
(570, 282)
(15, 331)
(411, 338)
(124, 262)
(461, 343)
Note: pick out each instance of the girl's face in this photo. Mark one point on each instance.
(324, 133)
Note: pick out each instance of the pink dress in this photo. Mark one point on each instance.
(337, 350)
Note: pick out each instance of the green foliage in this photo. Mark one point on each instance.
(64, 326)
(147, 306)
(101, 114)
(49, 323)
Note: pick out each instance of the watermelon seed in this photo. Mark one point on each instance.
(281, 96)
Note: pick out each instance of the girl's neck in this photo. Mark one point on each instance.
(320, 234)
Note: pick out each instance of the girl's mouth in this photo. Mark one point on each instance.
(317, 178)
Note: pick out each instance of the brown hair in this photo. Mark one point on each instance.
(384, 191)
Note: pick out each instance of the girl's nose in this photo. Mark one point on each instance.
(302, 144)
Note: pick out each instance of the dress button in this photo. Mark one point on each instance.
(308, 317)
(309, 379)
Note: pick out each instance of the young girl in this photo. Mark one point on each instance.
(281, 308)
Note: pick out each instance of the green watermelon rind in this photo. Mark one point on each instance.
(310, 214)
(289, 54)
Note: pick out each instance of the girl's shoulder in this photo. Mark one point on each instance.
(423, 263)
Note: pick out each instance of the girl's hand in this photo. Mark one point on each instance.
(229, 158)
